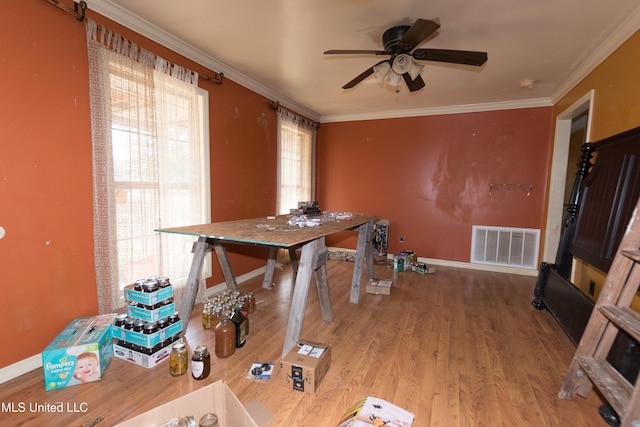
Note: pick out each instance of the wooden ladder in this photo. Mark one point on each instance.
(610, 315)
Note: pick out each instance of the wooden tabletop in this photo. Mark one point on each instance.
(269, 231)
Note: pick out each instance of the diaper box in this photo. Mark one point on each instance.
(80, 353)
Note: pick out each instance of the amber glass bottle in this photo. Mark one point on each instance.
(242, 326)
(225, 335)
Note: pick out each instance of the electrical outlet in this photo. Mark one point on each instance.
(401, 238)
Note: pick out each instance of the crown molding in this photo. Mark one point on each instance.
(116, 13)
(455, 109)
(621, 34)
(123, 17)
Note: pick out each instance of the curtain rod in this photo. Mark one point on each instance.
(80, 15)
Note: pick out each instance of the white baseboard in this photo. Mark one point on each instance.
(458, 264)
(34, 362)
(19, 368)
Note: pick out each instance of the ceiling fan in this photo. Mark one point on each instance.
(400, 43)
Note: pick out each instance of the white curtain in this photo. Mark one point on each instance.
(296, 160)
(147, 165)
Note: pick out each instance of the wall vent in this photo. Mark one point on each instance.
(511, 247)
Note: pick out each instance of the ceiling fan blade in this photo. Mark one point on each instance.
(366, 73)
(355, 52)
(466, 57)
(415, 84)
(419, 31)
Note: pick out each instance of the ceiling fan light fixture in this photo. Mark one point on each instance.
(394, 79)
(415, 69)
(402, 63)
(381, 71)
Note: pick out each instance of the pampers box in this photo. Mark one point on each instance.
(80, 353)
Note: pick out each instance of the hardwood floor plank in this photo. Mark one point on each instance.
(456, 348)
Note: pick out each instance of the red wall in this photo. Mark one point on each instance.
(430, 176)
(46, 257)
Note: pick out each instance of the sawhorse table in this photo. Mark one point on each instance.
(276, 233)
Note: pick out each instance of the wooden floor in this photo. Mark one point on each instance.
(456, 348)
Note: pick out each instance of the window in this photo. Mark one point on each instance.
(296, 160)
(151, 167)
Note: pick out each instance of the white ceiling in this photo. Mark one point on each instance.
(276, 48)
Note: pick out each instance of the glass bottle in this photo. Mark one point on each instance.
(251, 303)
(200, 363)
(215, 316)
(209, 420)
(225, 335)
(188, 421)
(206, 315)
(242, 326)
(178, 359)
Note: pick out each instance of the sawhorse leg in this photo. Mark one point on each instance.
(312, 259)
(364, 252)
(225, 266)
(200, 248)
(271, 265)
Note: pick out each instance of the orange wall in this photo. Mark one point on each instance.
(430, 176)
(46, 257)
(615, 109)
(616, 83)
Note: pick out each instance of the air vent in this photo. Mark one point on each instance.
(512, 247)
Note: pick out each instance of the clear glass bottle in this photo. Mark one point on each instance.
(178, 359)
(225, 334)
(200, 363)
(216, 312)
(188, 421)
(206, 315)
(209, 420)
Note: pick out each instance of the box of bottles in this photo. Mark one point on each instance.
(147, 339)
(145, 357)
(147, 298)
(79, 354)
(216, 398)
(151, 313)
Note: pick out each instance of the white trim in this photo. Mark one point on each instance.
(455, 109)
(557, 178)
(239, 280)
(621, 34)
(116, 13)
(21, 367)
(459, 264)
(145, 28)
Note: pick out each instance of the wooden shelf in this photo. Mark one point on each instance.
(615, 388)
(623, 317)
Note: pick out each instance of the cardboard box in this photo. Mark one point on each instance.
(304, 367)
(151, 315)
(216, 398)
(147, 298)
(79, 354)
(145, 340)
(379, 287)
(423, 268)
(146, 360)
